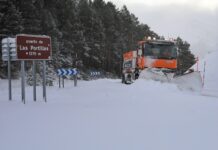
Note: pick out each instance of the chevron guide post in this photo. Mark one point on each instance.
(67, 72)
(95, 73)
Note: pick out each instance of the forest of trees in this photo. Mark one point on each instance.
(88, 34)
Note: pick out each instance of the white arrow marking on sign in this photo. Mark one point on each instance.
(59, 72)
(70, 71)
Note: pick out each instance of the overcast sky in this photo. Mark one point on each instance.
(195, 21)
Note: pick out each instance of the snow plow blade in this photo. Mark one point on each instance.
(190, 81)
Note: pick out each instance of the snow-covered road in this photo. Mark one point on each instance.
(107, 115)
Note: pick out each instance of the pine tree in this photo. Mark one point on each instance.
(108, 14)
(185, 58)
(31, 16)
(11, 23)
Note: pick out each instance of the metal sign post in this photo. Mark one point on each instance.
(23, 81)
(62, 72)
(44, 80)
(8, 55)
(9, 71)
(59, 78)
(63, 81)
(34, 80)
(75, 80)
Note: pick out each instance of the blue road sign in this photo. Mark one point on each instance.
(96, 73)
(63, 72)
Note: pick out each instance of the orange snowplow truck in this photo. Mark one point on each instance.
(160, 54)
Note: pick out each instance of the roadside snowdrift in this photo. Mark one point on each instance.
(211, 73)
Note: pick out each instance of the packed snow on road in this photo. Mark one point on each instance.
(107, 115)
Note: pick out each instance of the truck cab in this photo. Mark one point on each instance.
(158, 54)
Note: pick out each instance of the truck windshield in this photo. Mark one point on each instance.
(160, 51)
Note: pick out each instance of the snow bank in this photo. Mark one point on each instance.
(211, 73)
